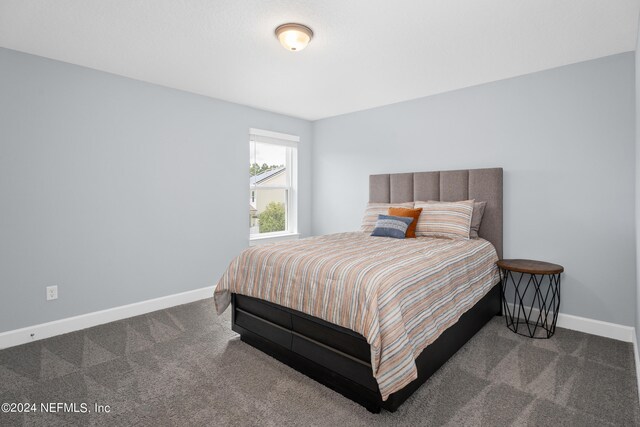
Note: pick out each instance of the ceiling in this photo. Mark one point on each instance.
(365, 53)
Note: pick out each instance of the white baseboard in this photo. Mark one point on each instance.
(591, 326)
(76, 323)
(83, 321)
(637, 357)
(596, 327)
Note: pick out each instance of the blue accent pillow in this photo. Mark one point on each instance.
(392, 226)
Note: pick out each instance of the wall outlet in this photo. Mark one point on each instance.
(52, 292)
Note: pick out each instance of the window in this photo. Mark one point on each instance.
(273, 184)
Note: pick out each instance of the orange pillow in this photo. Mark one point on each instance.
(411, 213)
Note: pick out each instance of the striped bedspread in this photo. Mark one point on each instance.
(400, 294)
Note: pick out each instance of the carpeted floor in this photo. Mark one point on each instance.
(184, 366)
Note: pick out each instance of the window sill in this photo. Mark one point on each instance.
(261, 240)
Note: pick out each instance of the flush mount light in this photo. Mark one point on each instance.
(294, 37)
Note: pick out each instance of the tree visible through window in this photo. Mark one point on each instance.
(272, 185)
(272, 218)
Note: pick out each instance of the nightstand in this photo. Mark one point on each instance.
(530, 296)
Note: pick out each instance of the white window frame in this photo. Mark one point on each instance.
(291, 142)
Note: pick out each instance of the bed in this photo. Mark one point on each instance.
(378, 356)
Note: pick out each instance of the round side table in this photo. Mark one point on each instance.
(530, 296)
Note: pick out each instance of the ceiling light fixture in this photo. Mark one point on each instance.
(294, 37)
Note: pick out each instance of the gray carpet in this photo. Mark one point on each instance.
(184, 366)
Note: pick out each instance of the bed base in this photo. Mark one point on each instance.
(339, 358)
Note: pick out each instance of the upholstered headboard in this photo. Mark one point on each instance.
(447, 186)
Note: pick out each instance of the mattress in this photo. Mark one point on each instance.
(400, 294)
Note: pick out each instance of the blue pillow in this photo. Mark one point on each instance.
(391, 226)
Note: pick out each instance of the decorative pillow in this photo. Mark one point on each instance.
(409, 213)
(375, 209)
(445, 219)
(391, 226)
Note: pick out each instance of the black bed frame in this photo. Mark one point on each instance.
(340, 358)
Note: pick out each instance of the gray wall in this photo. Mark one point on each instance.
(120, 191)
(116, 190)
(565, 138)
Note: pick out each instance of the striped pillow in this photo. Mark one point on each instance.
(392, 226)
(476, 217)
(375, 209)
(445, 219)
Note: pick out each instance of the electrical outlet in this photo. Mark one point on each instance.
(52, 292)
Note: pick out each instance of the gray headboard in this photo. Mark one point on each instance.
(447, 186)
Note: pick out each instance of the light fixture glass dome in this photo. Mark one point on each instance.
(294, 37)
